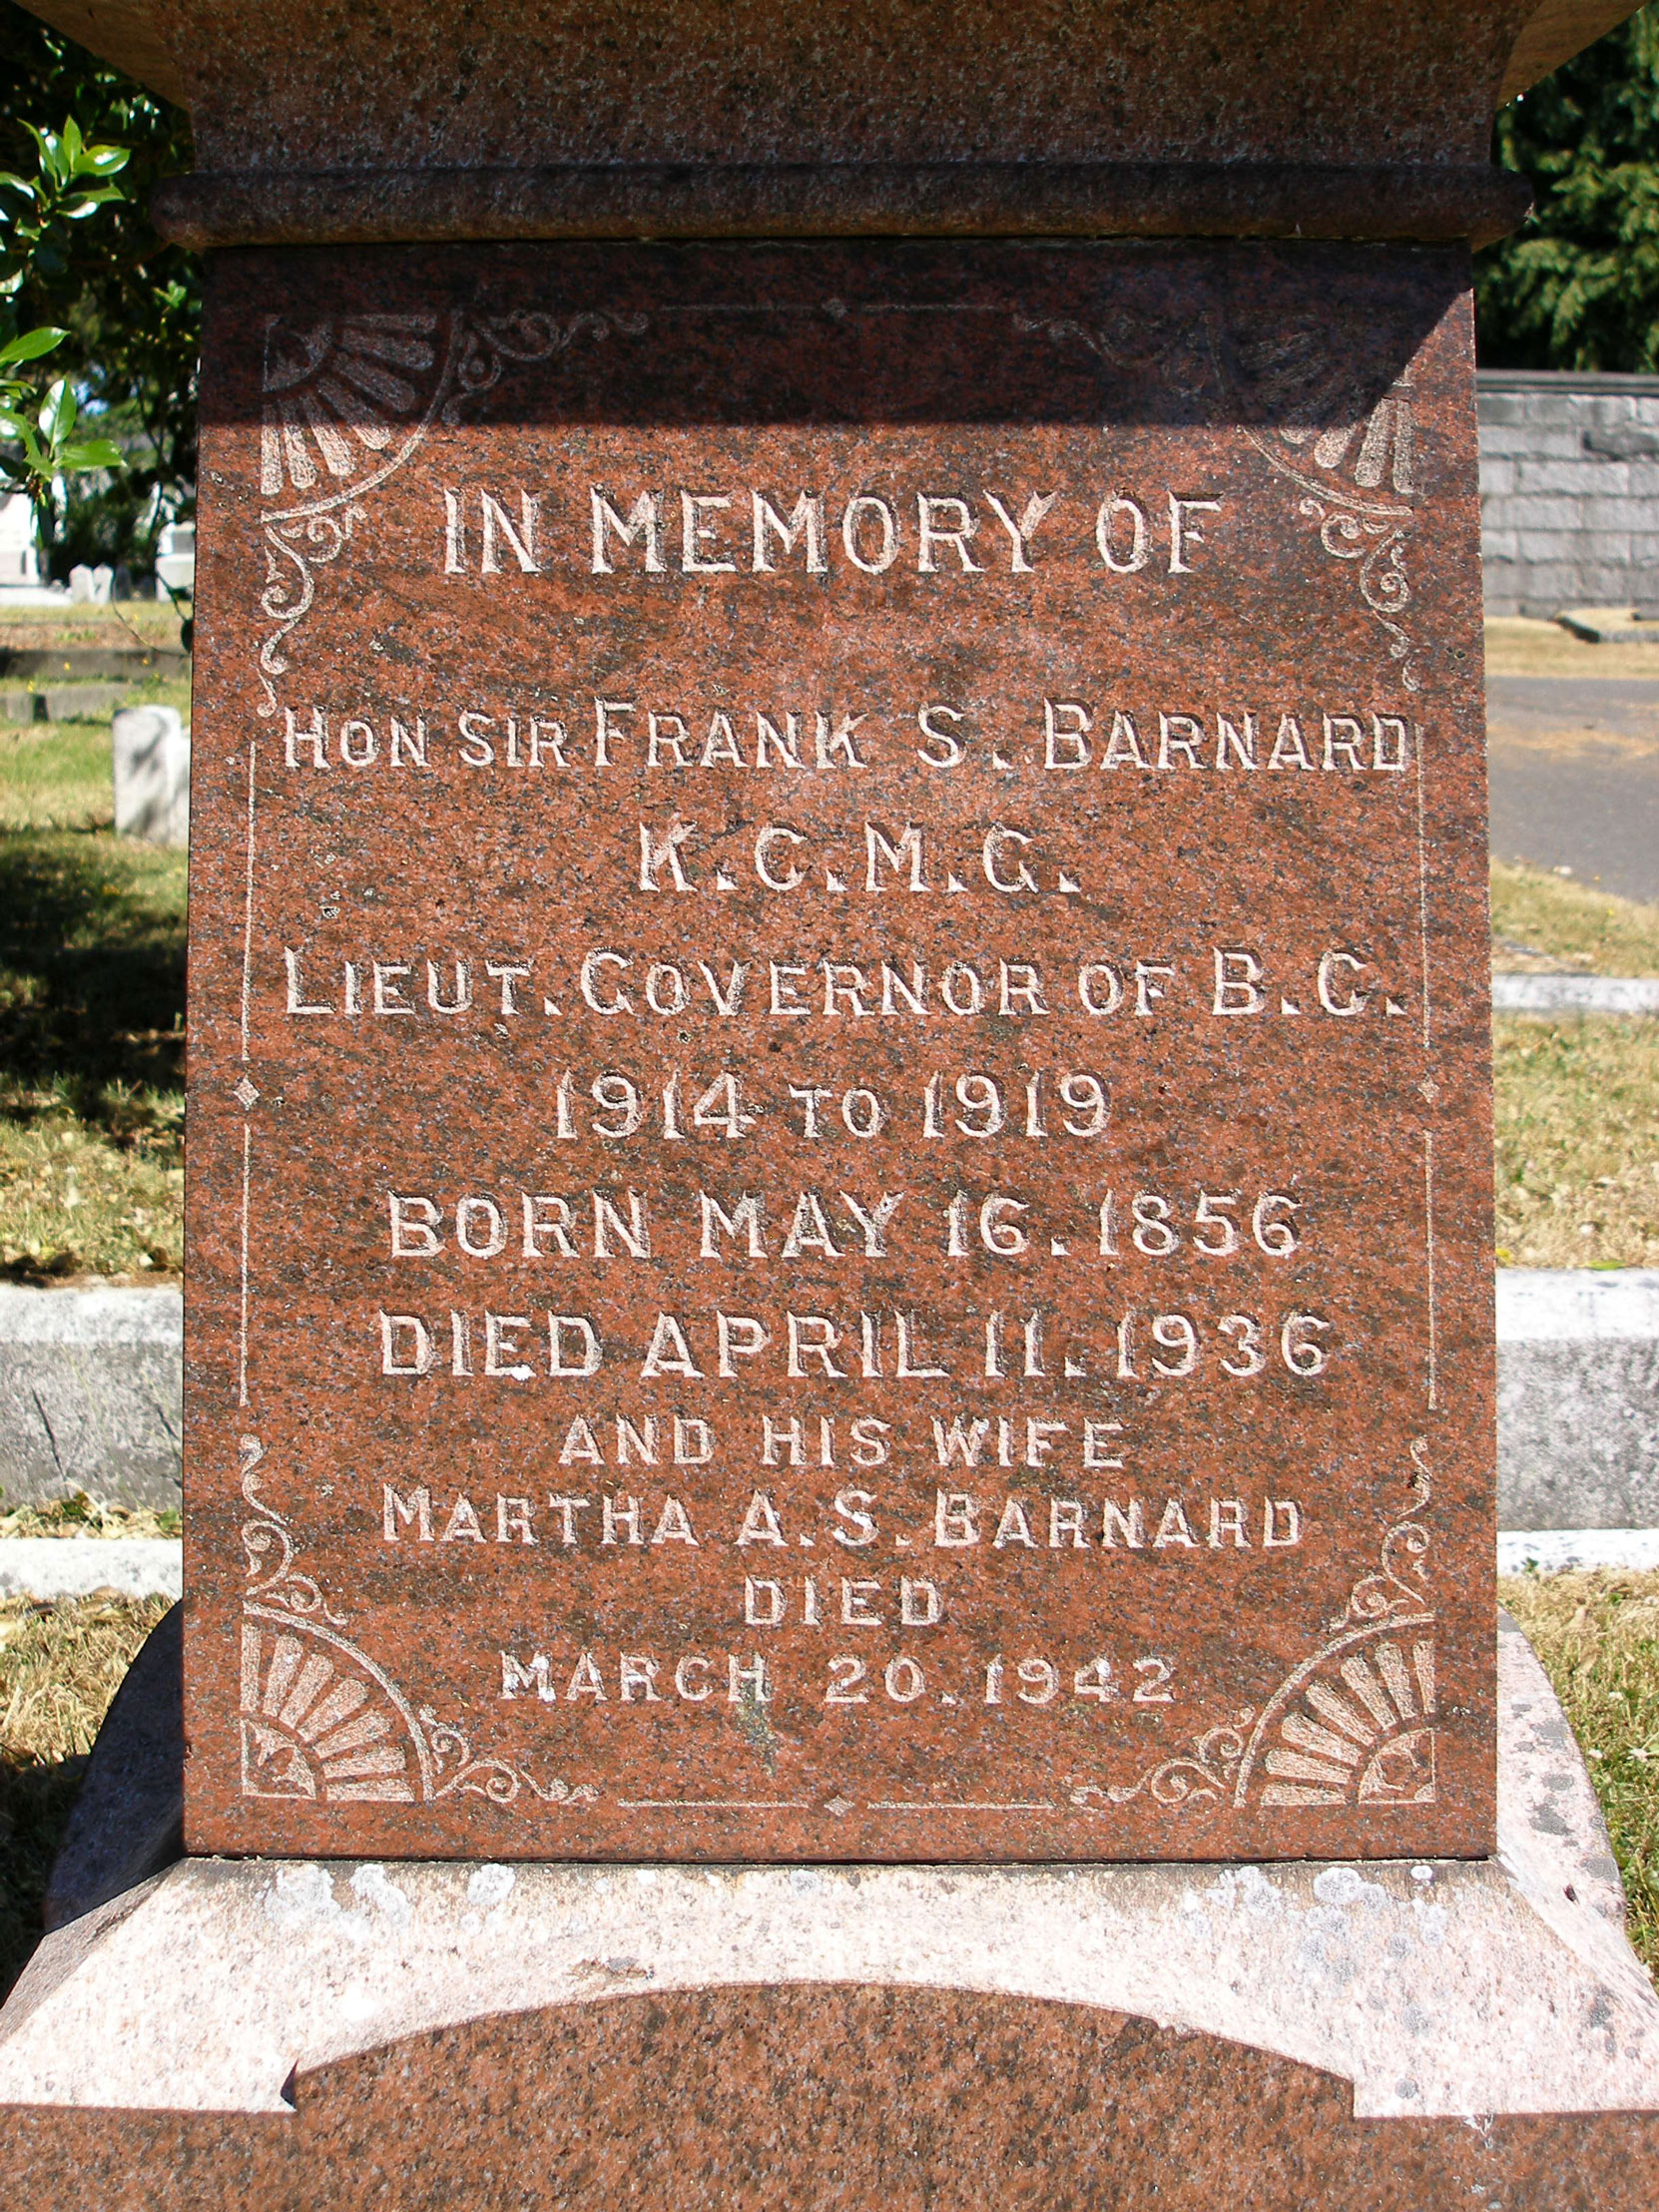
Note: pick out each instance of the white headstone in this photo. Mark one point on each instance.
(90, 586)
(152, 775)
(176, 559)
(18, 556)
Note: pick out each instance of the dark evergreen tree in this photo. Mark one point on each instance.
(1577, 286)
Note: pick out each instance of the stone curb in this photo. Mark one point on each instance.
(74, 1567)
(1556, 1550)
(1575, 994)
(1579, 1398)
(47, 1567)
(106, 1315)
(92, 1394)
(1577, 1306)
(1437, 1987)
(91, 1389)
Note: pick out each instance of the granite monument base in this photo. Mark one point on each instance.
(1395, 2036)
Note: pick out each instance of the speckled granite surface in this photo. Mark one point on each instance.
(840, 1151)
(1360, 2037)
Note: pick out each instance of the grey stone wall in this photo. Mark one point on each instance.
(1569, 491)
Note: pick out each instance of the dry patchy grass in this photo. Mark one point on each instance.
(91, 989)
(81, 1515)
(56, 776)
(1597, 1635)
(1577, 1152)
(133, 622)
(61, 775)
(1544, 921)
(1577, 1097)
(1517, 645)
(59, 1665)
(78, 1201)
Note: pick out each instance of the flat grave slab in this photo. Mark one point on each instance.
(839, 1117)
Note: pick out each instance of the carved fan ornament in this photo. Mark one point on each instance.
(312, 1726)
(1353, 1725)
(1354, 464)
(1323, 437)
(1358, 1743)
(346, 401)
(321, 1721)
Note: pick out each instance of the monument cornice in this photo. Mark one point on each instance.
(840, 1425)
(1151, 199)
(548, 120)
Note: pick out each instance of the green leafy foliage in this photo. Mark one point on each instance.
(69, 181)
(1577, 286)
(85, 281)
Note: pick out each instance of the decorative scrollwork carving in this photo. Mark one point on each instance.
(1350, 1724)
(1353, 1723)
(1377, 540)
(1397, 1585)
(1164, 351)
(1344, 450)
(1312, 426)
(489, 342)
(1203, 1772)
(1345, 490)
(287, 600)
(304, 1734)
(495, 1779)
(347, 402)
(270, 1550)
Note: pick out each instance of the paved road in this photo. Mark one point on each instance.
(1575, 767)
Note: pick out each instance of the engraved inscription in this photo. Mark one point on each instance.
(842, 1194)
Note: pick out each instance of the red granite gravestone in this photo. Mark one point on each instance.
(841, 1140)
(839, 1117)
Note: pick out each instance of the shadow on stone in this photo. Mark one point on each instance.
(36, 1799)
(127, 1822)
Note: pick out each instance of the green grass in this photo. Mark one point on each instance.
(1541, 921)
(1577, 1150)
(91, 969)
(1520, 645)
(91, 1046)
(56, 775)
(53, 776)
(81, 1515)
(135, 622)
(1576, 1099)
(1596, 1634)
(91, 1176)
